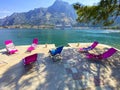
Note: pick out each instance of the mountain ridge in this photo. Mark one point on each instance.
(59, 13)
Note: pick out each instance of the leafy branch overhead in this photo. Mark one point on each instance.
(105, 12)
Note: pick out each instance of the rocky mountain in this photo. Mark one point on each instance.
(59, 13)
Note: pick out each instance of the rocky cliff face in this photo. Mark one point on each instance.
(59, 13)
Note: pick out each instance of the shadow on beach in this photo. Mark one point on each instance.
(46, 75)
(75, 72)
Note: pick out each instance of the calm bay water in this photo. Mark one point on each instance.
(60, 37)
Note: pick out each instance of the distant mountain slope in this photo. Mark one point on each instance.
(31, 17)
(59, 13)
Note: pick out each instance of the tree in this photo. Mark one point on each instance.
(105, 12)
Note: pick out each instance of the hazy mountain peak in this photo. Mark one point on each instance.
(59, 13)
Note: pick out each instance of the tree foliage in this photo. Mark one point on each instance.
(105, 12)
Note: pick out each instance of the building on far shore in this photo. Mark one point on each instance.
(60, 26)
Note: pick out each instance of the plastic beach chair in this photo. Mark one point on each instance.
(30, 59)
(33, 45)
(104, 55)
(89, 48)
(55, 54)
(30, 62)
(10, 47)
(58, 50)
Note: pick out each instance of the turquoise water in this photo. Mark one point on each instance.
(60, 37)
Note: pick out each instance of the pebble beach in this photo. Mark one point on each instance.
(73, 72)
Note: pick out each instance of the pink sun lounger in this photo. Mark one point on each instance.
(94, 44)
(33, 45)
(30, 59)
(104, 55)
(10, 47)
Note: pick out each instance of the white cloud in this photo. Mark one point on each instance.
(2, 17)
(4, 11)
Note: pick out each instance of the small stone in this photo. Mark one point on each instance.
(82, 77)
(74, 70)
(66, 66)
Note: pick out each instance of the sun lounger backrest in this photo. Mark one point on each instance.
(59, 49)
(9, 45)
(94, 45)
(30, 59)
(8, 42)
(35, 41)
(108, 53)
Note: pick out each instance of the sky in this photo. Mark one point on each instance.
(7, 7)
